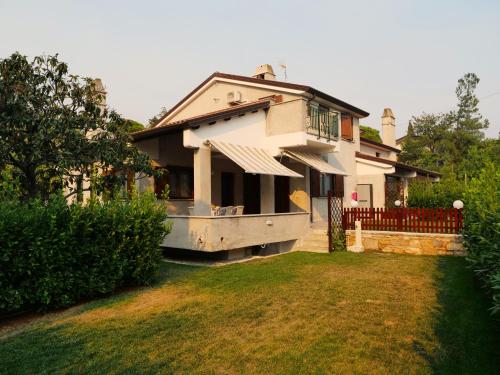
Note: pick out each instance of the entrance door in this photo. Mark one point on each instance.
(251, 193)
(365, 195)
(227, 189)
(281, 194)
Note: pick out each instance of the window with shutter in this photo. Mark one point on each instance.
(321, 184)
(347, 127)
(338, 189)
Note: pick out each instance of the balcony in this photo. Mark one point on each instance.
(323, 124)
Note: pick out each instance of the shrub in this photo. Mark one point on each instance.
(482, 229)
(338, 240)
(423, 193)
(53, 254)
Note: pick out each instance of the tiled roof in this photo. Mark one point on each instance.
(281, 84)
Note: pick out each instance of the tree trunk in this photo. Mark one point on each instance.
(30, 186)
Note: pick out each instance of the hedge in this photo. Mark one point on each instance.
(482, 229)
(424, 193)
(53, 254)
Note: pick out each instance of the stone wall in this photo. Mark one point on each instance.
(409, 243)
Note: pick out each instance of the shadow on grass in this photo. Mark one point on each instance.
(468, 336)
(167, 273)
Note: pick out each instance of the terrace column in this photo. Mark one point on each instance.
(202, 166)
(266, 194)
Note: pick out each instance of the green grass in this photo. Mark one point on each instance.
(293, 314)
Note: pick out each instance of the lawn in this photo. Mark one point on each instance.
(292, 314)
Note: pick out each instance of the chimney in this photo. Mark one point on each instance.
(265, 71)
(388, 128)
(101, 91)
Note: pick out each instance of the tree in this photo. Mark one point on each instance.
(468, 122)
(54, 131)
(132, 126)
(428, 142)
(370, 133)
(444, 141)
(153, 121)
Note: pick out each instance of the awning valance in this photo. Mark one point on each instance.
(253, 160)
(314, 161)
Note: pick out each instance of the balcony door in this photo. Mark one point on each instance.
(251, 193)
(281, 194)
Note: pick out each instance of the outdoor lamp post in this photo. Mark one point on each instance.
(397, 203)
(458, 204)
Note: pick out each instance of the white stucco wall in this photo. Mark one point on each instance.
(234, 232)
(344, 158)
(373, 173)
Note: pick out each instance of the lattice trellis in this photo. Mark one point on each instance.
(335, 218)
(394, 191)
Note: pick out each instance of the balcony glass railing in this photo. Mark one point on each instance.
(323, 124)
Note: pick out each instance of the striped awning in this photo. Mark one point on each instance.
(253, 160)
(314, 161)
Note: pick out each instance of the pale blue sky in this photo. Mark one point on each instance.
(407, 55)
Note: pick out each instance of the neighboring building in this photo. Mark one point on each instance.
(270, 149)
(381, 179)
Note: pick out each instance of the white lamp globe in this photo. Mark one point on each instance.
(397, 203)
(458, 204)
(354, 203)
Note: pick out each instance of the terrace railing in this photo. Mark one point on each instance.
(421, 220)
(323, 124)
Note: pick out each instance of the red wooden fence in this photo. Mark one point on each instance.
(423, 220)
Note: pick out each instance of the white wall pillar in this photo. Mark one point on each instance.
(266, 194)
(202, 166)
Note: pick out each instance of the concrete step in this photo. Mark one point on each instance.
(315, 241)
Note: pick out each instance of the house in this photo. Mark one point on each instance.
(381, 178)
(249, 163)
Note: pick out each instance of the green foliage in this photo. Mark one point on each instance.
(370, 133)
(153, 121)
(428, 142)
(443, 141)
(54, 129)
(132, 126)
(339, 240)
(482, 229)
(468, 123)
(9, 186)
(53, 255)
(424, 193)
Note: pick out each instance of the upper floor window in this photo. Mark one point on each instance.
(321, 184)
(323, 122)
(347, 132)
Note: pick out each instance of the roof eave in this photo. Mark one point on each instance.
(370, 142)
(194, 122)
(338, 102)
